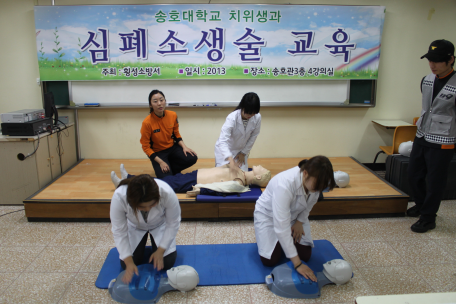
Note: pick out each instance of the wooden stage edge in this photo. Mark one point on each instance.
(333, 206)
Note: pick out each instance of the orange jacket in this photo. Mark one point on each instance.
(159, 133)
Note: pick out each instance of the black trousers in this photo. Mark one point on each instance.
(176, 160)
(304, 253)
(138, 255)
(428, 172)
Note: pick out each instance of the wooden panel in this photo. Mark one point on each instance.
(199, 210)
(43, 162)
(56, 170)
(66, 210)
(18, 179)
(236, 210)
(68, 156)
(366, 206)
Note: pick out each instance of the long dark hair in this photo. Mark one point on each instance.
(150, 98)
(320, 168)
(250, 103)
(141, 189)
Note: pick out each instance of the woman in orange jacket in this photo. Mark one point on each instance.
(161, 140)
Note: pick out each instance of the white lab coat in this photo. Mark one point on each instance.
(234, 138)
(282, 203)
(163, 221)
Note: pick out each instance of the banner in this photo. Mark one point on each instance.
(208, 41)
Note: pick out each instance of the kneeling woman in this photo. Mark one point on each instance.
(282, 211)
(141, 206)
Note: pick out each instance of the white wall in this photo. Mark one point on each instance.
(286, 132)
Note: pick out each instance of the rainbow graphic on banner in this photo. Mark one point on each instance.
(362, 60)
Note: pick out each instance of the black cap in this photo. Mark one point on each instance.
(440, 51)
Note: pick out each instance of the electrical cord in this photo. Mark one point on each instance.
(22, 157)
(59, 148)
(12, 212)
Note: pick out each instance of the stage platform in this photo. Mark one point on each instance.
(84, 192)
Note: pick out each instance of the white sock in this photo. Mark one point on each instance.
(123, 172)
(115, 180)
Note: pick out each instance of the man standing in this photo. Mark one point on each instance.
(433, 147)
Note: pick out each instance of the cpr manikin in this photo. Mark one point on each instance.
(151, 284)
(286, 282)
(258, 176)
(405, 148)
(341, 178)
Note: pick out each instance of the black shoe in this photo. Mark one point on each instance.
(413, 212)
(422, 226)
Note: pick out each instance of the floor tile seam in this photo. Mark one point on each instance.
(35, 259)
(3, 292)
(348, 253)
(372, 286)
(422, 278)
(410, 263)
(453, 258)
(99, 240)
(67, 288)
(86, 259)
(7, 235)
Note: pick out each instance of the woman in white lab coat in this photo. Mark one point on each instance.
(281, 213)
(140, 206)
(239, 133)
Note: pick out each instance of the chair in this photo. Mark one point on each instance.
(401, 134)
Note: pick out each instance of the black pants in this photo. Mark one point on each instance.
(138, 255)
(304, 253)
(428, 171)
(176, 160)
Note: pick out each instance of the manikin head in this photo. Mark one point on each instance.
(441, 57)
(405, 148)
(183, 278)
(249, 105)
(341, 178)
(338, 271)
(261, 177)
(157, 102)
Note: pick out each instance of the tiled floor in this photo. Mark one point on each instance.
(59, 262)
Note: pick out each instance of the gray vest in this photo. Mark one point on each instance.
(437, 122)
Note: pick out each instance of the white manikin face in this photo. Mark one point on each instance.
(183, 278)
(338, 271)
(341, 178)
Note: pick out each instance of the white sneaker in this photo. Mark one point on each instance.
(123, 172)
(115, 180)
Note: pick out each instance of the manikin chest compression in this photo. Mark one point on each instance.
(150, 284)
(286, 282)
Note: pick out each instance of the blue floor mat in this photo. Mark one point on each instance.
(224, 264)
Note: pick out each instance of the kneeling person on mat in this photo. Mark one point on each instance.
(282, 211)
(141, 206)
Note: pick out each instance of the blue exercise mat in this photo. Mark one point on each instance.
(225, 264)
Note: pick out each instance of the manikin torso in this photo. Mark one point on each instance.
(220, 174)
